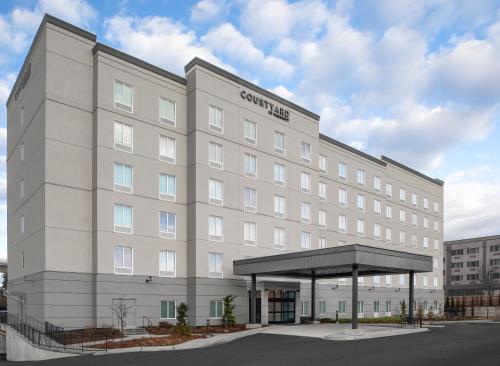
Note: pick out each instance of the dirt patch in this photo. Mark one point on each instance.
(86, 335)
(213, 329)
(150, 342)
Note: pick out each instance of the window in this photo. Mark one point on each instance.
(402, 279)
(21, 152)
(305, 308)
(279, 174)
(426, 203)
(472, 264)
(376, 183)
(361, 307)
(402, 195)
(279, 142)
(322, 307)
(361, 202)
(342, 223)
(426, 242)
(123, 137)
(305, 240)
(250, 132)
(388, 280)
(457, 278)
(167, 310)
(342, 170)
(376, 307)
(250, 199)
(250, 233)
(457, 265)
(322, 163)
(342, 197)
(436, 206)
(402, 237)
(215, 122)
(435, 281)
(388, 190)
(215, 224)
(388, 212)
(342, 307)
(167, 149)
(360, 227)
(322, 243)
(123, 218)
(123, 178)
(376, 280)
(360, 177)
(168, 225)
(414, 199)
(215, 265)
(22, 259)
(322, 191)
(279, 238)
(493, 248)
(376, 231)
(426, 283)
(414, 239)
(167, 111)
(305, 212)
(279, 206)
(21, 116)
(167, 187)
(377, 207)
(123, 96)
(402, 217)
(388, 307)
(426, 222)
(305, 152)
(215, 155)
(495, 262)
(414, 219)
(388, 234)
(167, 263)
(216, 309)
(123, 260)
(215, 192)
(305, 182)
(472, 250)
(21, 224)
(322, 218)
(436, 225)
(250, 165)
(436, 244)
(21, 188)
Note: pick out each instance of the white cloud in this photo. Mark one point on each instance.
(283, 92)
(228, 41)
(6, 86)
(207, 10)
(78, 12)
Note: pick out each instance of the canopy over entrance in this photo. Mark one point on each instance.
(344, 261)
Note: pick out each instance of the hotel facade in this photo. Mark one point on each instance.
(129, 183)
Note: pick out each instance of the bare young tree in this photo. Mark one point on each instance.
(121, 309)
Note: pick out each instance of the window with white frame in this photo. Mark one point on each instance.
(305, 308)
(376, 231)
(414, 199)
(215, 119)
(388, 190)
(215, 192)
(305, 182)
(250, 199)
(388, 280)
(342, 223)
(360, 202)
(123, 137)
(402, 237)
(322, 191)
(322, 163)
(402, 279)
(322, 242)
(279, 142)
(250, 132)
(168, 187)
(360, 177)
(215, 158)
(250, 233)
(305, 212)
(388, 234)
(305, 240)
(425, 281)
(388, 212)
(216, 309)
(342, 170)
(436, 206)
(376, 307)
(322, 307)
(388, 308)
(342, 197)
(414, 219)
(21, 224)
(361, 306)
(167, 111)
(426, 203)
(305, 152)
(402, 194)
(168, 149)
(279, 238)
(215, 228)
(215, 265)
(123, 218)
(402, 217)
(376, 183)
(360, 227)
(436, 244)
(167, 309)
(167, 263)
(426, 242)
(279, 174)
(376, 280)
(21, 152)
(426, 222)
(279, 206)
(322, 218)
(436, 225)
(435, 282)
(414, 240)
(250, 162)
(342, 307)
(21, 188)
(168, 225)
(124, 95)
(377, 209)
(123, 260)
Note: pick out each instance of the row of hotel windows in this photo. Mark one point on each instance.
(472, 264)
(168, 309)
(474, 276)
(493, 249)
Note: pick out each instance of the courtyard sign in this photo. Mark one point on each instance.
(272, 109)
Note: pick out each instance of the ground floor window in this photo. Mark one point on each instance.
(387, 306)
(376, 306)
(305, 307)
(167, 309)
(216, 309)
(322, 307)
(341, 307)
(361, 307)
(435, 305)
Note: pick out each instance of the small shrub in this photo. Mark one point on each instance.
(326, 320)
(403, 309)
(430, 314)
(228, 318)
(182, 327)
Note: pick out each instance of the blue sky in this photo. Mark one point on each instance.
(417, 81)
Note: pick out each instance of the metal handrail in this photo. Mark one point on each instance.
(150, 323)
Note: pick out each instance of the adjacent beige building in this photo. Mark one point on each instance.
(127, 182)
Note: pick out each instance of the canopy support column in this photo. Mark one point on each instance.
(313, 296)
(253, 300)
(411, 290)
(354, 296)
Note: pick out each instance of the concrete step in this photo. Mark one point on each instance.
(134, 331)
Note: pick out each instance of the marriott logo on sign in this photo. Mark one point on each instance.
(272, 108)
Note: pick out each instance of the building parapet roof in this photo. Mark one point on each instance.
(351, 149)
(470, 240)
(413, 171)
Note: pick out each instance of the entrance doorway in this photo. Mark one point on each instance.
(258, 305)
(281, 307)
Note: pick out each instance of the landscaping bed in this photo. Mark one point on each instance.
(169, 340)
(86, 335)
(164, 329)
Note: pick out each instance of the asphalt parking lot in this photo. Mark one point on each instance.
(455, 344)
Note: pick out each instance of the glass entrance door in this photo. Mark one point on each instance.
(281, 306)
